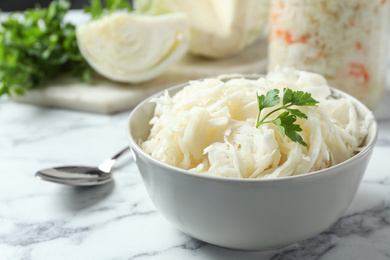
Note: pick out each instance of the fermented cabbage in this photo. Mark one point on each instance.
(209, 127)
(343, 40)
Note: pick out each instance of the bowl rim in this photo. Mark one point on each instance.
(133, 144)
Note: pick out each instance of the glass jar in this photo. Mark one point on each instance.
(343, 40)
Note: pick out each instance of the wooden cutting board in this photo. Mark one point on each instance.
(107, 97)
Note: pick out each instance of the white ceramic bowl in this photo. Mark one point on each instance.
(247, 214)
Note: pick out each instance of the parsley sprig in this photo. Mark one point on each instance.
(286, 120)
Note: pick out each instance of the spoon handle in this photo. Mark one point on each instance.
(116, 156)
(106, 166)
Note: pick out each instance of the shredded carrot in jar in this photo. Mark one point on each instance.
(279, 32)
(383, 2)
(288, 38)
(320, 55)
(275, 17)
(359, 70)
(358, 45)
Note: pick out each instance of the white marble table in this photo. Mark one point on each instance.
(41, 220)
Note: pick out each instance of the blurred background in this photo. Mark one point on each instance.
(20, 5)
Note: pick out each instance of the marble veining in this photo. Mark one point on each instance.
(360, 224)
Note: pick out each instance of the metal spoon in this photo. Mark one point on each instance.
(81, 175)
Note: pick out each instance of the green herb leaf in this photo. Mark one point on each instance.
(285, 123)
(287, 96)
(296, 112)
(96, 7)
(112, 5)
(286, 120)
(297, 98)
(269, 100)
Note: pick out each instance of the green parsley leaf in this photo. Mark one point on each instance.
(296, 112)
(285, 123)
(298, 98)
(286, 120)
(113, 5)
(269, 100)
(96, 7)
(287, 96)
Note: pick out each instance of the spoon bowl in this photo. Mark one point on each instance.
(81, 175)
(75, 175)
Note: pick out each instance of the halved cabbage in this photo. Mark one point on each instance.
(130, 48)
(219, 28)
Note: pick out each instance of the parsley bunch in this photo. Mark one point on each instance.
(285, 121)
(37, 45)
